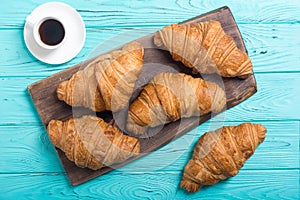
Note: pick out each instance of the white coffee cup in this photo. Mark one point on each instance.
(36, 31)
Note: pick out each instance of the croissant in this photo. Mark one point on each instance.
(107, 82)
(205, 48)
(169, 97)
(220, 154)
(90, 142)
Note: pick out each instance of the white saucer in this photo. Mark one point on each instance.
(74, 29)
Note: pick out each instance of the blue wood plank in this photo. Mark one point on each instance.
(17, 60)
(29, 149)
(107, 13)
(277, 99)
(266, 45)
(252, 184)
(15, 101)
(29, 165)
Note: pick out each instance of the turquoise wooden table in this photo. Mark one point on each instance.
(30, 168)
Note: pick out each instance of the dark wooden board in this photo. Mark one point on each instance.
(49, 107)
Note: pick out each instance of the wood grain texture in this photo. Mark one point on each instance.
(280, 150)
(19, 62)
(16, 106)
(32, 141)
(248, 184)
(266, 44)
(107, 13)
(43, 94)
(277, 99)
(29, 168)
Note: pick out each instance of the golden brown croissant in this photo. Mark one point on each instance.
(206, 48)
(220, 154)
(107, 82)
(169, 97)
(90, 142)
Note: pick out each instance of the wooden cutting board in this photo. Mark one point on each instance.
(43, 94)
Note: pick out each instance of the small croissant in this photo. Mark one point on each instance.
(169, 97)
(205, 48)
(220, 154)
(107, 82)
(90, 142)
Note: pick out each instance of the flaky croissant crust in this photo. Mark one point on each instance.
(205, 47)
(107, 82)
(90, 142)
(220, 154)
(169, 97)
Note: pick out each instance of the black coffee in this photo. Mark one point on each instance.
(51, 32)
